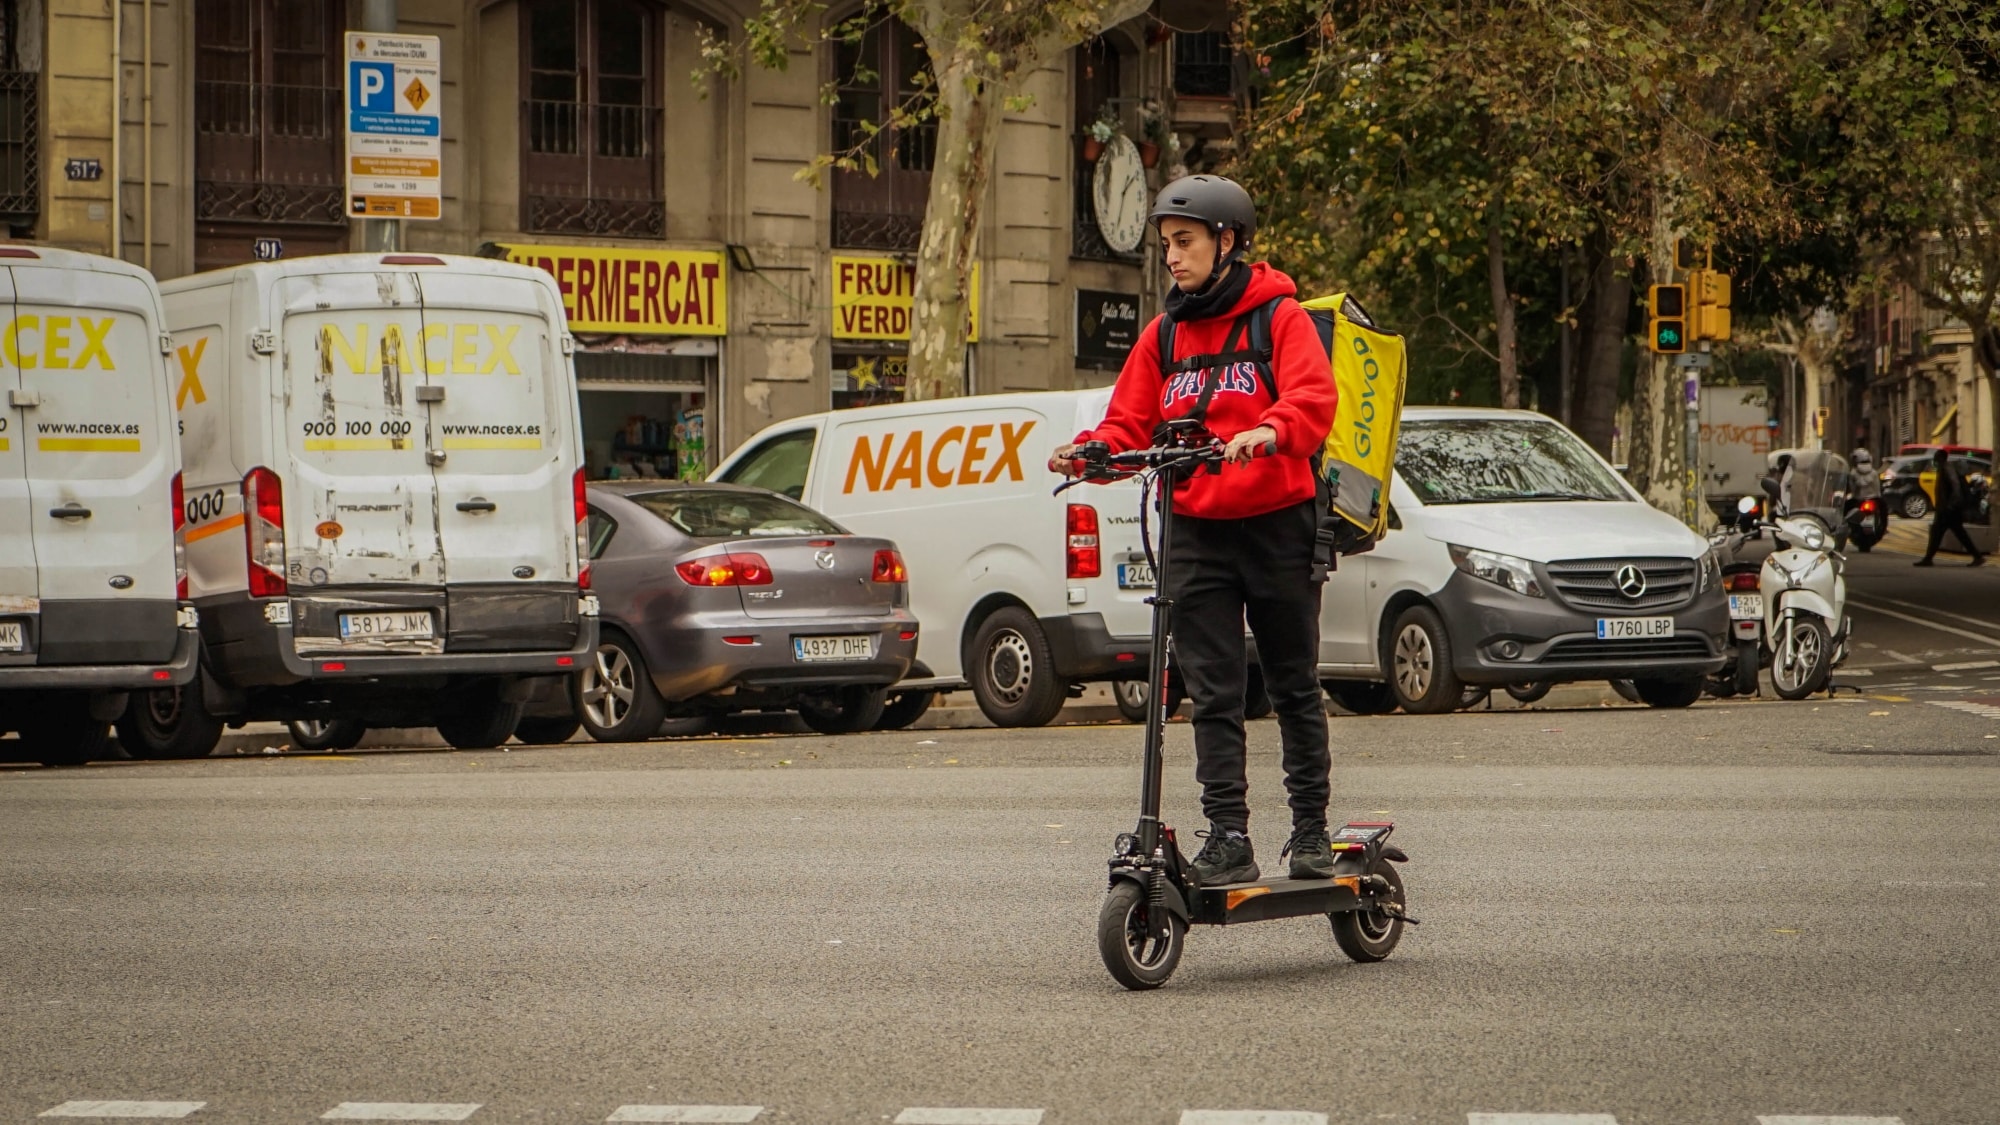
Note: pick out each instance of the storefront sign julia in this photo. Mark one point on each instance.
(657, 292)
(872, 298)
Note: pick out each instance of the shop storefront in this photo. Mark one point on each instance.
(872, 299)
(648, 326)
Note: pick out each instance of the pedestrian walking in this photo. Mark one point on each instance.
(1949, 515)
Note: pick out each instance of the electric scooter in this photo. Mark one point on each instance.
(1154, 894)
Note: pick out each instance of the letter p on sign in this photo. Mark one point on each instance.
(368, 86)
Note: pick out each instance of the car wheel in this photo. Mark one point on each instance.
(1667, 694)
(478, 717)
(546, 730)
(848, 710)
(615, 697)
(320, 735)
(1012, 674)
(61, 732)
(1363, 697)
(168, 724)
(1532, 692)
(1420, 668)
(904, 708)
(687, 726)
(1130, 696)
(1803, 659)
(1916, 505)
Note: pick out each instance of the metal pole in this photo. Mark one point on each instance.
(381, 236)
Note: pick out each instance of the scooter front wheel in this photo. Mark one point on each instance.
(1137, 959)
(1803, 659)
(1371, 935)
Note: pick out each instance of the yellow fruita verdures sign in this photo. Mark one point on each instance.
(643, 292)
(873, 296)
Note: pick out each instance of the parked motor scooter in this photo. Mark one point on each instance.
(1804, 587)
(1742, 583)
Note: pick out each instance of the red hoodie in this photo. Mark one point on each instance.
(1302, 414)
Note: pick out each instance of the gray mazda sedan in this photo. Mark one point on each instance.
(719, 598)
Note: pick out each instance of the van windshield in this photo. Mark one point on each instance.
(779, 464)
(716, 513)
(1498, 460)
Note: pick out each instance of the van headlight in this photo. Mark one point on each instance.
(1711, 571)
(1517, 575)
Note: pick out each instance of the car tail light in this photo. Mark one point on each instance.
(889, 567)
(734, 568)
(1742, 582)
(180, 540)
(1085, 561)
(264, 532)
(582, 507)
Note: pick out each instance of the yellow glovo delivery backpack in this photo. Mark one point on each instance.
(1360, 452)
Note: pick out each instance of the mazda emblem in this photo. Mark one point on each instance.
(1631, 581)
(823, 560)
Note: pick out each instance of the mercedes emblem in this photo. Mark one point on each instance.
(1631, 581)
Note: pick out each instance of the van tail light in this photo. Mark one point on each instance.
(180, 540)
(1741, 582)
(1085, 559)
(582, 509)
(264, 532)
(889, 567)
(733, 568)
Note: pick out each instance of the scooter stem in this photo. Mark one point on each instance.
(1154, 765)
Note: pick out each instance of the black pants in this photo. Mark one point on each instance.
(1219, 571)
(1943, 520)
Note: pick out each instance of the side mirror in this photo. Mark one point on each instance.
(1770, 487)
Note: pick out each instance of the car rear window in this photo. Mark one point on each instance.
(1496, 460)
(706, 513)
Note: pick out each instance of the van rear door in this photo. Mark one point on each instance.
(503, 432)
(18, 589)
(360, 501)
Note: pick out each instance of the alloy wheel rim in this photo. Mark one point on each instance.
(1414, 661)
(1146, 951)
(313, 729)
(607, 687)
(164, 707)
(1010, 666)
(1131, 692)
(1803, 648)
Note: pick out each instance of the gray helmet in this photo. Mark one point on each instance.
(1216, 202)
(1861, 457)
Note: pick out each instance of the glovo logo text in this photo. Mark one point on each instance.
(57, 343)
(1364, 418)
(461, 348)
(957, 455)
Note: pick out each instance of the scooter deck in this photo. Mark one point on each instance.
(1265, 899)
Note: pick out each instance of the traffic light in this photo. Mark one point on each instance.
(1708, 305)
(1668, 328)
(1688, 255)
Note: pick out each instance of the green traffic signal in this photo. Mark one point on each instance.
(1669, 335)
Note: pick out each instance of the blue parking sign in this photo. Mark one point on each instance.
(371, 87)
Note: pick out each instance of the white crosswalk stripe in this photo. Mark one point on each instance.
(920, 1116)
(1540, 1119)
(707, 1114)
(1768, 1120)
(1984, 711)
(400, 1111)
(1251, 1117)
(123, 1109)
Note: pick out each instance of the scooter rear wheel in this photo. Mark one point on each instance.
(1371, 935)
(1136, 959)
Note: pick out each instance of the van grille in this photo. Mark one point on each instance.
(1589, 650)
(1593, 583)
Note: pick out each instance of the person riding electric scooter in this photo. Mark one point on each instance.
(1243, 541)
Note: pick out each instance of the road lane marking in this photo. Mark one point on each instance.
(122, 1109)
(1932, 609)
(1251, 1117)
(1968, 666)
(969, 1117)
(710, 1114)
(1764, 1120)
(400, 1111)
(1540, 1119)
(1983, 710)
(1900, 657)
(1925, 622)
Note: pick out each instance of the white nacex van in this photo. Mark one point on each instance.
(89, 518)
(384, 497)
(1020, 594)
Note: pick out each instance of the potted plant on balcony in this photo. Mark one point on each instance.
(1100, 133)
(1153, 121)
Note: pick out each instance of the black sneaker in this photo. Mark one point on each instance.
(1226, 858)
(1311, 852)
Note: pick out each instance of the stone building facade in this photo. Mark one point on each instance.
(186, 135)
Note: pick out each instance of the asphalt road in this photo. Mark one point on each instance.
(1743, 910)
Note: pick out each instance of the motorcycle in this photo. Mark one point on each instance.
(1804, 589)
(1867, 521)
(1742, 584)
